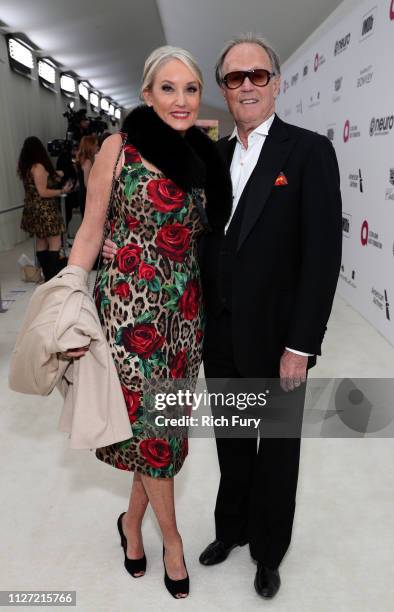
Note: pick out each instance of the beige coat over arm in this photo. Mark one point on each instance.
(62, 315)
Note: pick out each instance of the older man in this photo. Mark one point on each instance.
(269, 284)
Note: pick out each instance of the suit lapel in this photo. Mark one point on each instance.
(226, 149)
(273, 154)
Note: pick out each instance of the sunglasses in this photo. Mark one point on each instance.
(259, 77)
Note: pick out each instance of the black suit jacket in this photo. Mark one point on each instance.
(287, 259)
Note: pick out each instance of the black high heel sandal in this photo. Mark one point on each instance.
(133, 566)
(175, 587)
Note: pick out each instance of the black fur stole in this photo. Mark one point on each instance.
(190, 161)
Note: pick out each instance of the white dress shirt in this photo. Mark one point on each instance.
(242, 166)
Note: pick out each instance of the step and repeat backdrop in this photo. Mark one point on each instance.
(343, 87)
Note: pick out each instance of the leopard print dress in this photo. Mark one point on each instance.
(150, 305)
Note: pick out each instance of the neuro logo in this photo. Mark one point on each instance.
(381, 125)
(364, 233)
(346, 131)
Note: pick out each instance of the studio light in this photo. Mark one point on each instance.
(67, 84)
(47, 74)
(94, 99)
(104, 105)
(111, 110)
(117, 113)
(20, 57)
(83, 90)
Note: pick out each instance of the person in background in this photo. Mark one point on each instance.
(66, 165)
(41, 215)
(88, 148)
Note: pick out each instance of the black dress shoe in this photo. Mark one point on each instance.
(218, 551)
(267, 581)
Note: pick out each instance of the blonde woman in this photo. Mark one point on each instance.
(170, 186)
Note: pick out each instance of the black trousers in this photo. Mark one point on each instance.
(258, 477)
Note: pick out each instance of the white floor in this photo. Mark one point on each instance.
(59, 507)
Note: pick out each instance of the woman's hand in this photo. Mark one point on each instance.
(68, 186)
(109, 250)
(75, 353)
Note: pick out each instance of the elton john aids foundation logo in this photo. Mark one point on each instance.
(392, 10)
(319, 61)
(350, 131)
(364, 233)
(346, 131)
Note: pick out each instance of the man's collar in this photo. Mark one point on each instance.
(262, 129)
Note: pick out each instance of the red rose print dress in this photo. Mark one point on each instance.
(150, 306)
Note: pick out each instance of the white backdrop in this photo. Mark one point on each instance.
(343, 86)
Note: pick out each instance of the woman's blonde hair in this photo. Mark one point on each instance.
(160, 56)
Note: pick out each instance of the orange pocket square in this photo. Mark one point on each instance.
(281, 180)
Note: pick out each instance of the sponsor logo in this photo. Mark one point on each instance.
(381, 126)
(285, 86)
(348, 279)
(337, 87)
(390, 190)
(346, 225)
(365, 76)
(331, 133)
(392, 10)
(299, 107)
(318, 61)
(369, 237)
(387, 305)
(305, 71)
(314, 100)
(350, 131)
(356, 181)
(380, 299)
(342, 44)
(368, 24)
(346, 131)
(294, 79)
